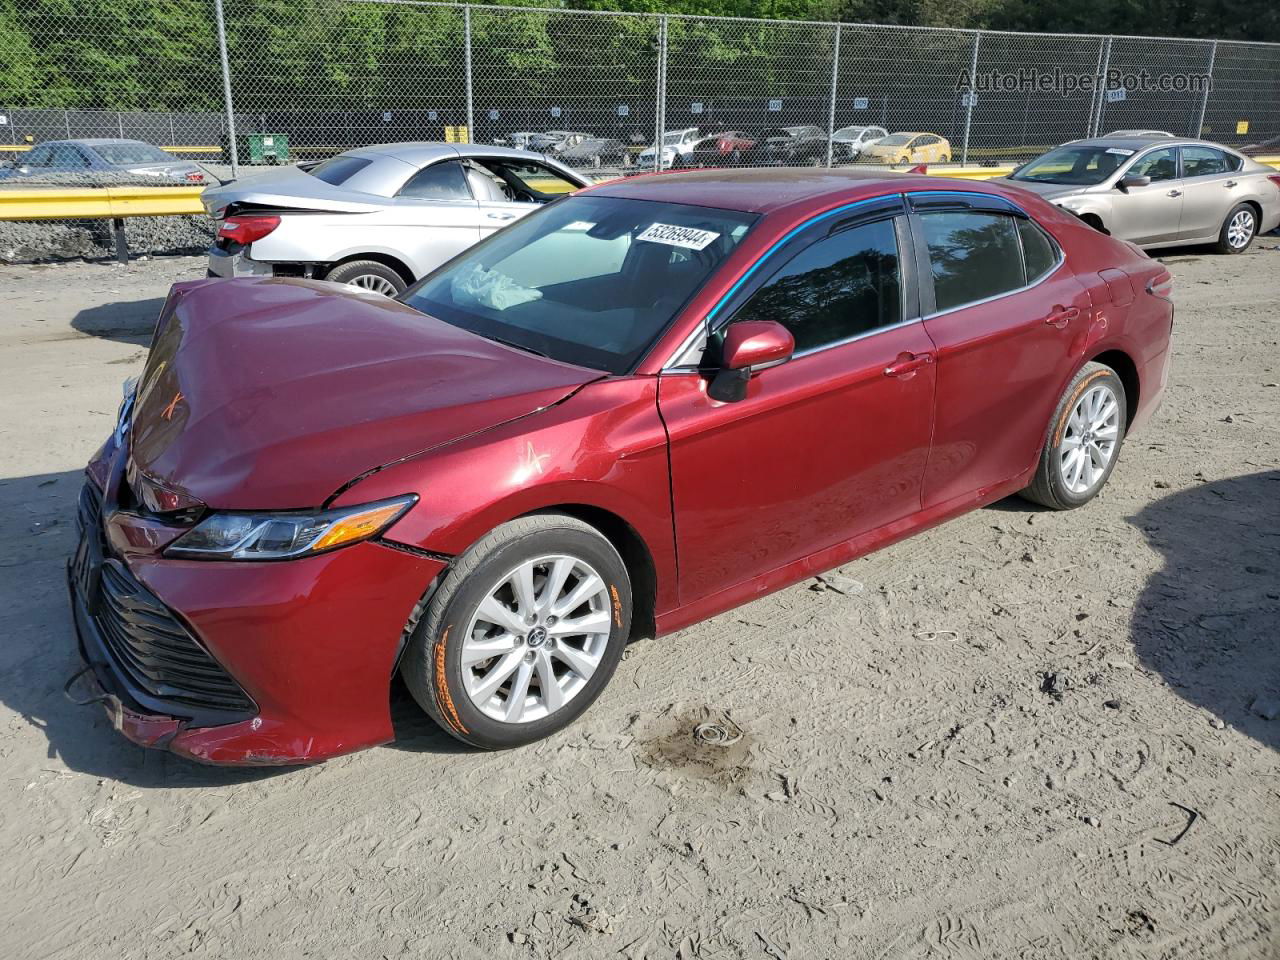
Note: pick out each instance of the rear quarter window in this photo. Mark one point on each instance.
(1039, 253)
(338, 170)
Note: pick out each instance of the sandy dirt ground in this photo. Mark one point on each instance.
(980, 743)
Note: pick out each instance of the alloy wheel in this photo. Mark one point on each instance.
(536, 639)
(1240, 229)
(1089, 441)
(372, 283)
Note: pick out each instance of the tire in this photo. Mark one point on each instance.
(944, 159)
(1238, 230)
(368, 275)
(1058, 484)
(453, 691)
(905, 160)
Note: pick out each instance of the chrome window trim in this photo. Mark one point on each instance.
(673, 366)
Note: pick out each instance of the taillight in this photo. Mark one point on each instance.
(1274, 178)
(195, 178)
(1161, 285)
(245, 230)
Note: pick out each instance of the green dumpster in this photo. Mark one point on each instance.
(268, 148)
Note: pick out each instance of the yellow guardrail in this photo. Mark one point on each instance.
(22, 147)
(93, 203)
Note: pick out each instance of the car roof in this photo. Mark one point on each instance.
(1141, 143)
(769, 189)
(421, 153)
(92, 142)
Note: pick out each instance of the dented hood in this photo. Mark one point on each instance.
(275, 393)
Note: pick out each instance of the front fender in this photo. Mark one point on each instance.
(604, 447)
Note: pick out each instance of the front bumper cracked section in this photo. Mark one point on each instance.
(313, 642)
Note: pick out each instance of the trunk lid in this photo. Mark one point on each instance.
(288, 188)
(274, 393)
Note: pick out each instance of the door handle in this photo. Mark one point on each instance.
(501, 216)
(1061, 316)
(1229, 184)
(907, 364)
(1175, 193)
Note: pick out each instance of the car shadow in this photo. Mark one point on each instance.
(1209, 621)
(126, 322)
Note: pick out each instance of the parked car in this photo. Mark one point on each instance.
(520, 140)
(595, 152)
(848, 143)
(556, 141)
(726, 149)
(676, 147)
(1158, 193)
(621, 415)
(377, 217)
(125, 157)
(789, 147)
(1138, 133)
(909, 148)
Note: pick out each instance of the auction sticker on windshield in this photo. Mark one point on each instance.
(688, 237)
(1120, 151)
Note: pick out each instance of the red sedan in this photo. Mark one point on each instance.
(632, 410)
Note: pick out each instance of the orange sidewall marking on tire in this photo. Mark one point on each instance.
(442, 686)
(1075, 398)
(617, 605)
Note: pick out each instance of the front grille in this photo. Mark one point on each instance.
(149, 647)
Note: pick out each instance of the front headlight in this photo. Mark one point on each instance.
(283, 536)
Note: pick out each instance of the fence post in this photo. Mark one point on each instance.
(226, 89)
(973, 95)
(1204, 100)
(66, 122)
(660, 114)
(1096, 129)
(466, 33)
(120, 124)
(831, 114)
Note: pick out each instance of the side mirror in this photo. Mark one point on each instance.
(1128, 182)
(748, 346)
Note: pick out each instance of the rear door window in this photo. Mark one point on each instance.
(440, 181)
(973, 256)
(1206, 161)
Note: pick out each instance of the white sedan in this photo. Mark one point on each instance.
(380, 217)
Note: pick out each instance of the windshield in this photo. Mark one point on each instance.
(126, 153)
(338, 170)
(851, 132)
(589, 280)
(1078, 165)
(673, 137)
(897, 140)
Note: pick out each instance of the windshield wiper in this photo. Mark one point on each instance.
(519, 346)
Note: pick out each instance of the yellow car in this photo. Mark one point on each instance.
(908, 148)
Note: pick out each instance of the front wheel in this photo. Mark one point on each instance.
(523, 633)
(1083, 442)
(1238, 230)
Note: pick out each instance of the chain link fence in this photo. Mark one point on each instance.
(231, 85)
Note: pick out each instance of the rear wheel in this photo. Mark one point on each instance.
(370, 276)
(1083, 442)
(1238, 230)
(523, 634)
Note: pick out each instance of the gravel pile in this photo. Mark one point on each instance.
(32, 241)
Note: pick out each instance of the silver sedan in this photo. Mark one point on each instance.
(380, 217)
(1157, 191)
